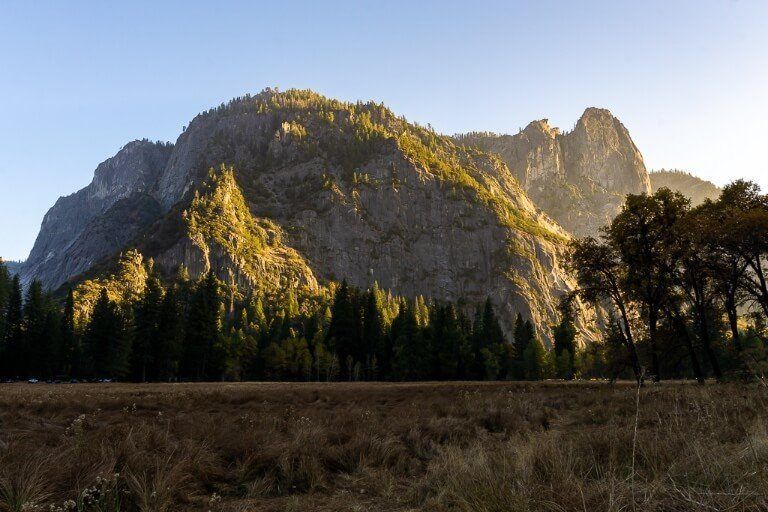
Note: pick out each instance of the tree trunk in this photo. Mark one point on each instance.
(761, 294)
(681, 327)
(630, 342)
(733, 321)
(653, 321)
(704, 335)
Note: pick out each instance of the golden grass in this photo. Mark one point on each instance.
(388, 447)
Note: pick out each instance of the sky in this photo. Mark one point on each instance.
(78, 80)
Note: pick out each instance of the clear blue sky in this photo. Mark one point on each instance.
(80, 79)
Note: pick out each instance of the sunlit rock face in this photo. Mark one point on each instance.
(578, 178)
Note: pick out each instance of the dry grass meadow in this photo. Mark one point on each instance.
(361, 447)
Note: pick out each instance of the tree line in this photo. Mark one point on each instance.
(679, 292)
(683, 288)
(200, 331)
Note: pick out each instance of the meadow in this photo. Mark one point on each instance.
(503, 446)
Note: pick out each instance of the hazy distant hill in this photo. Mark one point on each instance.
(686, 183)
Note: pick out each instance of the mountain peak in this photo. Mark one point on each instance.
(579, 178)
(543, 127)
(596, 112)
(76, 220)
(600, 120)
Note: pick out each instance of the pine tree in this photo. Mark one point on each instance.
(291, 304)
(422, 311)
(564, 364)
(530, 331)
(492, 342)
(167, 349)
(411, 357)
(452, 345)
(146, 326)
(14, 334)
(476, 366)
(38, 351)
(373, 332)
(522, 339)
(535, 360)
(107, 344)
(359, 349)
(564, 336)
(5, 293)
(69, 356)
(202, 330)
(274, 361)
(436, 341)
(492, 333)
(256, 314)
(521, 336)
(232, 347)
(342, 331)
(549, 369)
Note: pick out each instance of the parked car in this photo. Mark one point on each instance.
(32, 381)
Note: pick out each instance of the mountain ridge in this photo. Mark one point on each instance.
(357, 192)
(350, 190)
(579, 177)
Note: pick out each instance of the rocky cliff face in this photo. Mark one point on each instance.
(579, 178)
(73, 235)
(697, 189)
(13, 266)
(322, 190)
(217, 232)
